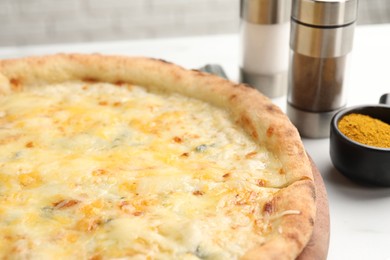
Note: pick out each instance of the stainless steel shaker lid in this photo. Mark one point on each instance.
(325, 12)
(265, 11)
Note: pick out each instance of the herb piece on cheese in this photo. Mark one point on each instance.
(201, 148)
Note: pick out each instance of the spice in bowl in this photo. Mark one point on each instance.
(365, 130)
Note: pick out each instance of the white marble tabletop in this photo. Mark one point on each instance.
(360, 215)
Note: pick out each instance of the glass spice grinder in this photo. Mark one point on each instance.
(264, 39)
(320, 42)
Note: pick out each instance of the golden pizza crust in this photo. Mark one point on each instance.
(262, 120)
(296, 203)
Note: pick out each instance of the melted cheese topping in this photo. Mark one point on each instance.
(99, 171)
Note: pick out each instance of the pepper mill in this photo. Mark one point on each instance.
(264, 39)
(321, 41)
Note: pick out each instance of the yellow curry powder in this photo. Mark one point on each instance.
(366, 130)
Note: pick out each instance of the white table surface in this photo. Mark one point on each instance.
(360, 216)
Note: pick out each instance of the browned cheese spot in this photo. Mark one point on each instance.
(62, 204)
(29, 145)
(16, 84)
(99, 172)
(261, 183)
(198, 193)
(185, 155)
(177, 139)
(138, 213)
(123, 204)
(96, 257)
(250, 155)
(268, 208)
(226, 175)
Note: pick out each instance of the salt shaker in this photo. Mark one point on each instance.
(264, 39)
(320, 41)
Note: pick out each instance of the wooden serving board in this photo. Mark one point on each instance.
(317, 248)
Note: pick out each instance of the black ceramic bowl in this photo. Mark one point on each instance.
(357, 161)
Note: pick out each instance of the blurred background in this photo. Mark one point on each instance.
(32, 22)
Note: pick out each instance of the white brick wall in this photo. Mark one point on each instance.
(52, 21)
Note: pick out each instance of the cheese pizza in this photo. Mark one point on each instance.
(108, 157)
